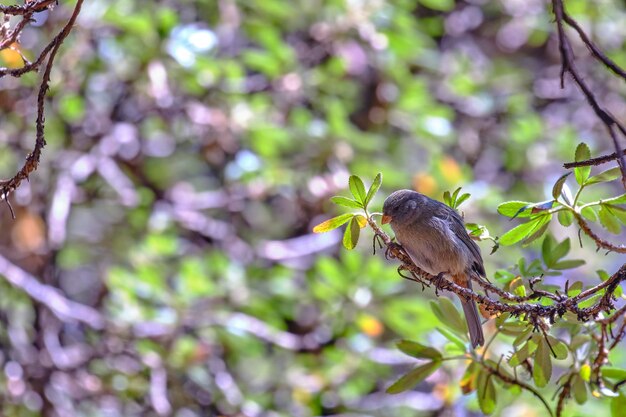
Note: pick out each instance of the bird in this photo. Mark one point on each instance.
(434, 236)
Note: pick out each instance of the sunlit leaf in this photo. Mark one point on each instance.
(333, 223)
(413, 377)
(351, 235)
(346, 202)
(361, 220)
(461, 199)
(582, 153)
(523, 230)
(357, 188)
(515, 209)
(585, 372)
(373, 189)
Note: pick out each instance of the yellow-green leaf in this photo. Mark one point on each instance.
(351, 235)
(582, 153)
(333, 223)
(361, 220)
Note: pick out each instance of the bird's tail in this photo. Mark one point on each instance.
(473, 319)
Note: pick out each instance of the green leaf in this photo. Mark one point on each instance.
(523, 230)
(515, 209)
(582, 153)
(585, 372)
(568, 264)
(605, 176)
(566, 218)
(448, 314)
(333, 223)
(346, 202)
(461, 200)
(452, 337)
(621, 199)
(418, 350)
(575, 289)
(413, 377)
(447, 198)
(373, 189)
(580, 389)
(542, 370)
(558, 185)
(486, 393)
(608, 220)
(611, 372)
(589, 214)
(618, 405)
(361, 220)
(351, 235)
(559, 348)
(524, 353)
(357, 188)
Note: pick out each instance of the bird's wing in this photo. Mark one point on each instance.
(455, 222)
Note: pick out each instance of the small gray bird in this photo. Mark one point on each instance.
(435, 238)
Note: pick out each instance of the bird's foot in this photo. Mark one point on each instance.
(438, 281)
(391, 248)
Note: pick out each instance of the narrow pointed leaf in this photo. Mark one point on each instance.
(414, 377)
(523, 230)
(515, 208)
(417, 350)
(346, 202)
(333, 223)
(373, 189)
(605, 176)
(558, 185)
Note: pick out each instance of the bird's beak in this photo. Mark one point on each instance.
(386, 219)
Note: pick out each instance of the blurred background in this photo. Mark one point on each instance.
(162, 261)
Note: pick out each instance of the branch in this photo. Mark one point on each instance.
(534, 312)
(568, 66)
(594, 161)
(66, 310)
(32, 160)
